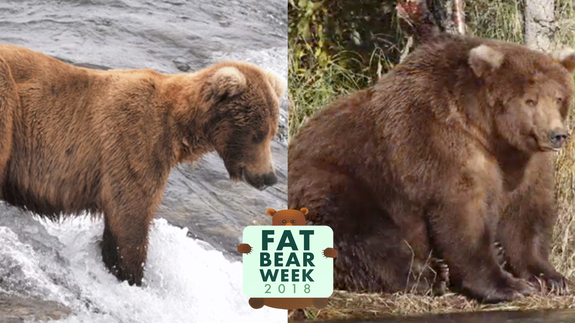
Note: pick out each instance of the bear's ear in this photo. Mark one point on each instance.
(304, 210)
(278, 84)
(227, 81)
(271, 212)
(484, 59)
(565, 57)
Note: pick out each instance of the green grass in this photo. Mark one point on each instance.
(496, 19)
(312, 88)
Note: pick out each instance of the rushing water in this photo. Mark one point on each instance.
(193, 273)
(186, 279)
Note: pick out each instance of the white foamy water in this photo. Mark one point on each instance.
(186, 280)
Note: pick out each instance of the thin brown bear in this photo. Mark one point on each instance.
(75, 139)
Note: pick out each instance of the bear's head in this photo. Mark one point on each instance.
(243, 119)
(528, 91)
(288, 217)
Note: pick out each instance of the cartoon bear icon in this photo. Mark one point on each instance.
(288, 217)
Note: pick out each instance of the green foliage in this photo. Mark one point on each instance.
(496, 19)
(320, 29)
(565, 16)
(314, 87)
(339, 46)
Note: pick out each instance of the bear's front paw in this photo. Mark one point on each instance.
(244, 248)
(522, 286)
(500, 287)
(551, 282)
(330, 253)
(512, 289)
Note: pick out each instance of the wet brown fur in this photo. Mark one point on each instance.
(75, 139)
(440, 158)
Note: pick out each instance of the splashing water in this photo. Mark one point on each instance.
(186, 280)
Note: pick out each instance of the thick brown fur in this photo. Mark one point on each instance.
(75, 139)
(288, 218)
(444, 155)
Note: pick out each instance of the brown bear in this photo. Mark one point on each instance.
(449, 152)
(75, 139)
(287, 217)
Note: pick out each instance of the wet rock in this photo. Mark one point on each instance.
(182, 64)
(15, 309)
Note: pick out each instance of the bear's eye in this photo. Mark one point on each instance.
(559, 100)
(259, 137)
(283, 221)
(531, 103)
(292, 221)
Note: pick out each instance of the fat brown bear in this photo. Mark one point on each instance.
(75, 139)
(448, 153)
(289, 218)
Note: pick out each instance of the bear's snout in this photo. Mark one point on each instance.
(558, 137)
(270, 179)
(261, 181)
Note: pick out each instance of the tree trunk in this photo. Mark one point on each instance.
(450, 15)
(422, 19)
(539, 16)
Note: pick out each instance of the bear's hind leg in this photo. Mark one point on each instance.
(372, 253)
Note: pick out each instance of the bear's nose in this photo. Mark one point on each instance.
(558, 137)
(270, 179)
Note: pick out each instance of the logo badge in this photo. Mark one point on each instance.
(288, 265)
